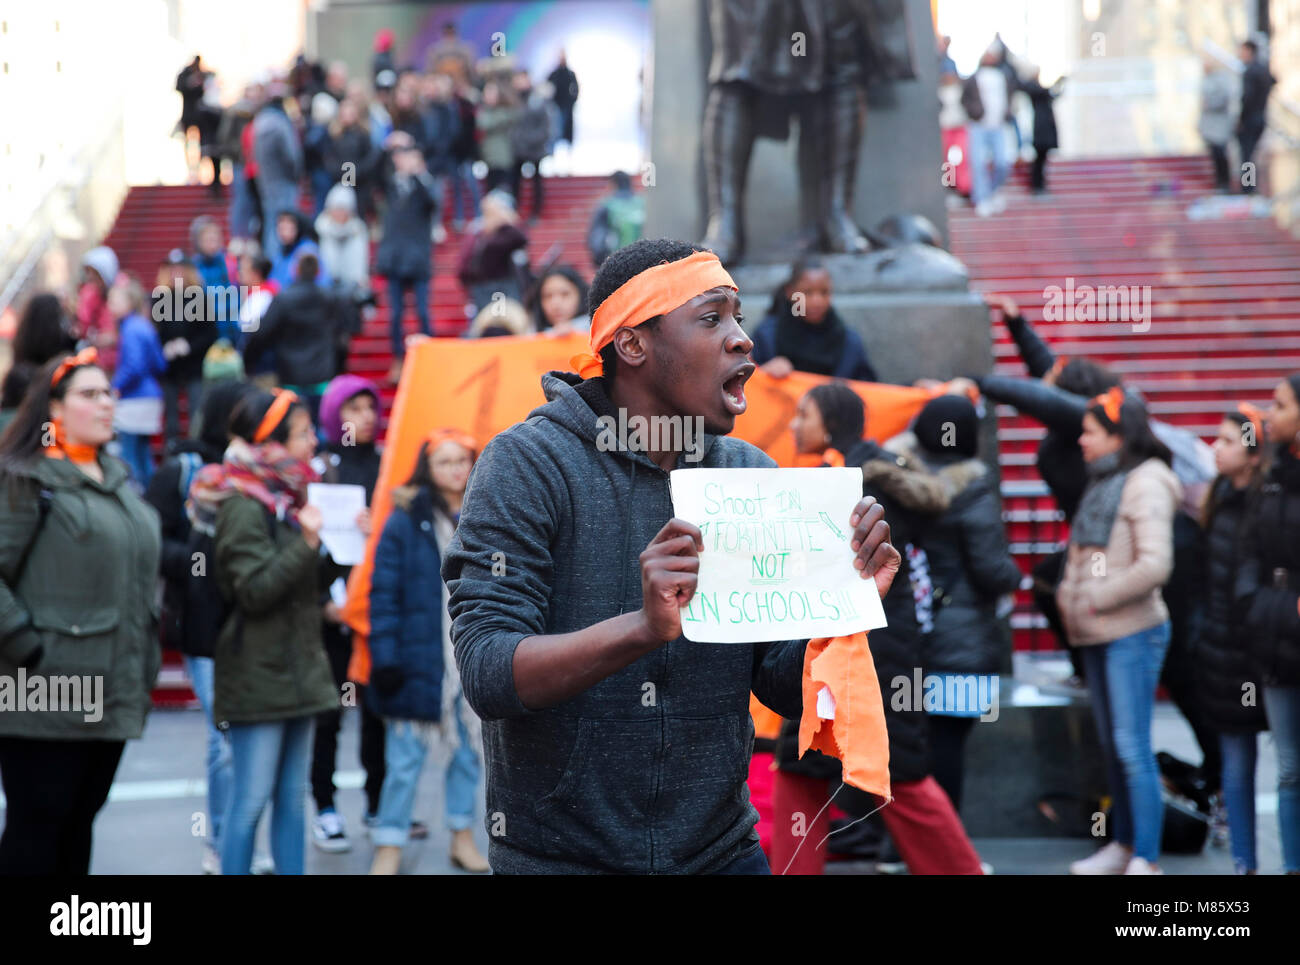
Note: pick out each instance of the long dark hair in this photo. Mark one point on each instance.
(249, 412)
(567, 272)
(43, 331)
(24, 438)
(1255, 447)
(1083, 376)
(421, 478)
(843, 414)
(780, 296)
(1139, 443)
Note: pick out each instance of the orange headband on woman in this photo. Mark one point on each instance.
(1256, 417)
(283, 400)
(655, 291)
(438, 436)
(87, 356)
(1110, 402)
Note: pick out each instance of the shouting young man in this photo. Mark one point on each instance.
(613, 744)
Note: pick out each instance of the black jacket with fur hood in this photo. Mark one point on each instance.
(970, 564)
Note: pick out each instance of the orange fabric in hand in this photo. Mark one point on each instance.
(857, 736)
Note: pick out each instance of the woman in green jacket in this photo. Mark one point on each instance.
(272, 675)
(78, 623)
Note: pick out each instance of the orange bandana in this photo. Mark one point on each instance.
(857, 735)
(87, 356)
(63, 449)
(274, 415)
(438, 436)
(833, 457)
(1110, 402)
(653, 292)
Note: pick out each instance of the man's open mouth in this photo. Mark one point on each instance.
(733, 389)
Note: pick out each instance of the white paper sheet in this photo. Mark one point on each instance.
(776, 563)
(339, 505)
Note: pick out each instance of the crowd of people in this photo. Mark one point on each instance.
(524, 675)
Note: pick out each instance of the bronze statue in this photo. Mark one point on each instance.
(811, 58)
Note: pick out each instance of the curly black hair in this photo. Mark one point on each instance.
(625, 264)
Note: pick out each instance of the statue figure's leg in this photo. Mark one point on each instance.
(728, 141)
(841, 136)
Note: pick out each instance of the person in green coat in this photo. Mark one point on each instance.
(272, 676)
(79, 647)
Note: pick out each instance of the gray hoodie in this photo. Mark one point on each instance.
(646, 771)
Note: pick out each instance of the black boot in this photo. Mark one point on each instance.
(842, 116)
(728, 140)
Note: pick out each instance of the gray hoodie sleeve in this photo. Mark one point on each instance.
(498, 570)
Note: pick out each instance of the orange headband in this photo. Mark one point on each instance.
(87, 356)
(1110, 403)
(438, 436)
(1256, 417)
(655, 291)
(283, 400)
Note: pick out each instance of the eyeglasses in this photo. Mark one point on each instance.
(96, 395)
(452, 463)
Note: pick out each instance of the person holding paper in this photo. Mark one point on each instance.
(612, 744)
(830, 421)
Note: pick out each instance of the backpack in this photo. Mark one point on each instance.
(626, 217)
(206, 608)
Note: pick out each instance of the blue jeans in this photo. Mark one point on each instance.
(136, 455)
(404, 754)
(1282, 707)
(1239, 756)
(462, 174)
(988, 148)
(751, 863)
(220, 772)
(270, 764)
(242, 206)
(397, 287)
(1122, 679)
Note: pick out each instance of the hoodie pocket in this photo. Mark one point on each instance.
(598, 813)
(80, 643)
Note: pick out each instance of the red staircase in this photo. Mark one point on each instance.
(1225, 308)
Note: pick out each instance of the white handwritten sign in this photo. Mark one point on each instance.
(339, 506)
(777, 564)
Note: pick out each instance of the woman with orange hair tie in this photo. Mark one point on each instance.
(414, 685)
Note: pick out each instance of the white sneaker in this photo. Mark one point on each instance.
(211, 860)
(1141, 866)
(263, 864)
(999, 202)
(1110, 860)
(984, 209)
(329, 833)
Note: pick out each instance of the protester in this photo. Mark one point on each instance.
(1218, 118)
(1268, 594)
(192, 608)
(75, 600)
(617, 221)
(44, 330)
(531, 139)
(1044, 126)
(969, 565)
(802, 331)
(405, 253)
(296, 238)
(349, 421)
(1221, 656)
(493, 253)
(496, 120)
(1120, 555)
(99, 267)
(1252, 118)
(179, 307)
(559, 302)
(413, 680)
(138, 415)
(986, 98)
(564, 84)
(344, 241)
(279, 166)
(271, 676)
(830, 422)
(556, 649)
(301, 327)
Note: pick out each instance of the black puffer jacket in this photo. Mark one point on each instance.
(1220, 659)
(908, 496)
(970, 566)
(1268, 581)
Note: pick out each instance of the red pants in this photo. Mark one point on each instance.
(921, 820)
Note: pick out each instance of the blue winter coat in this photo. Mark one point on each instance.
(140, 360)
(406, 614)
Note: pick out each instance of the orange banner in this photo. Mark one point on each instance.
(486, 385)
